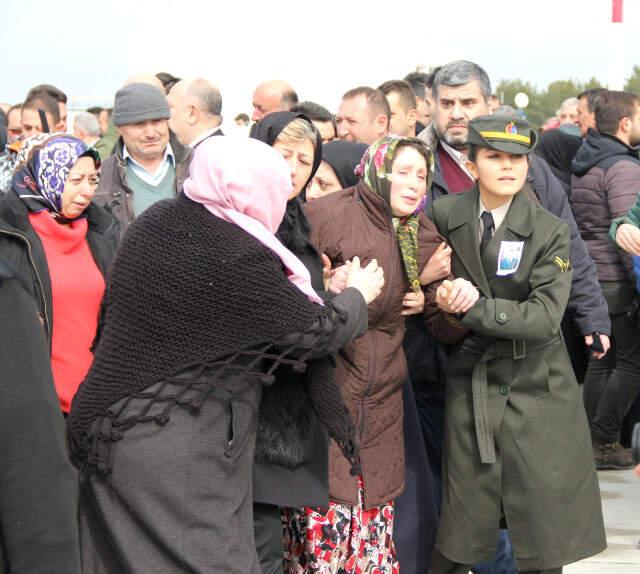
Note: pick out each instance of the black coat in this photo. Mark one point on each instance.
(22, 248)
(38, 486)
(308, 483)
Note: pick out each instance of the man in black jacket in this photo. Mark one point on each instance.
(38, 486)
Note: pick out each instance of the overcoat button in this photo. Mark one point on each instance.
(503, 316)
(505, 390)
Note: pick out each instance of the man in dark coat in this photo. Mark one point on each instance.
(38, 487)
(143, 168)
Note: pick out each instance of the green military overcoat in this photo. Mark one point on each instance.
(517, 443)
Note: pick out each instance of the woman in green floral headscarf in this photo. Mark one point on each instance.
(377, 173)
(381, 218)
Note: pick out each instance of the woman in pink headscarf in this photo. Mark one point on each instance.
(202, 305)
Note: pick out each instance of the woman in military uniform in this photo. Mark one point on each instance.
(517, 447)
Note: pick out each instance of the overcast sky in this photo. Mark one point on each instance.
(323, 47)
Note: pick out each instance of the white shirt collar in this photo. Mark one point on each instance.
(203, 136)
(168, 154)
(498, 214)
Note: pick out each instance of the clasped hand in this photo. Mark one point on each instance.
(457, 296)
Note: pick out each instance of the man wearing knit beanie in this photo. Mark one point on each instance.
(142, 169)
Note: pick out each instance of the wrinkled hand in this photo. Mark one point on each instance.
(628, 238)
(457, 296)
(606, 344)
(413, 303)
(438, 266)
(339, 276)
(368, 280)
(335, 280)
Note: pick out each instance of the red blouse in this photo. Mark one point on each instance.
(77, 287)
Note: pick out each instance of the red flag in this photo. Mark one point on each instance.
(616, 15)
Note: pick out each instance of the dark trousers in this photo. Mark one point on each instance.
(442, 565)
(613, 382)
(267, 529)
(415, 520)
(431, 416)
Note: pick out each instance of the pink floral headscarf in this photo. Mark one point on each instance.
(247, 183)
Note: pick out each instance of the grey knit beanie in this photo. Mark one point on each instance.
(138, 103)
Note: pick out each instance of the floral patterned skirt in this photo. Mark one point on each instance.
(344, 540)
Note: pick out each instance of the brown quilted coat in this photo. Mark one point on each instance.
(371, 370)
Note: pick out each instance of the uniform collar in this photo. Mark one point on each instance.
(520, 216)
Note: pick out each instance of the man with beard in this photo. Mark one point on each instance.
(604, 187)
(461, 92)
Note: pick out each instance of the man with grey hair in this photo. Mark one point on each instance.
(86, 128)
(143, 168)
(461, 92)
(568, 112)
(196, 108)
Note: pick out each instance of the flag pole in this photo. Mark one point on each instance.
(616, 46)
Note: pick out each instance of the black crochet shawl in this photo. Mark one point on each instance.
(188, 289)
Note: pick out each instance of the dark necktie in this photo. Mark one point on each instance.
(487, 222)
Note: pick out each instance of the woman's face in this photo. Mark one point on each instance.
(79, 188)
(408, 181)
(500, 174)
(324, 182)
(299, 156)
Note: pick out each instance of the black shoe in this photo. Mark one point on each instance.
(612, 456)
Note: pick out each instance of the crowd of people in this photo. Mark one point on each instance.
(398, 337)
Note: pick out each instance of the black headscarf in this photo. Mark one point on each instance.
(344, 157)
(269, 128)
(558, 149)
(294, 229)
